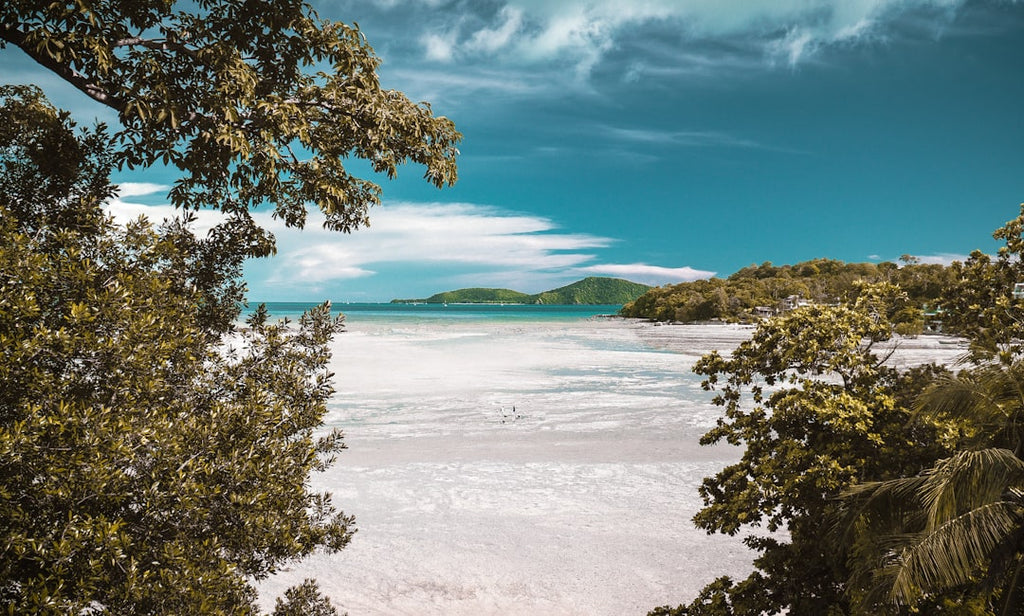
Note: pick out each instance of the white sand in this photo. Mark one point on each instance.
(578, 502)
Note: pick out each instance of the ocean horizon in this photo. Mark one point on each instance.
(383, 311)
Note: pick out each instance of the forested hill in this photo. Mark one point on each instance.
(472, 296)
(593, 290)
(737, 297)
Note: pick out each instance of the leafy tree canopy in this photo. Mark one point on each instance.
(901, 491)
(254, 101)
(151, 461)
(826, 281)
(815, 410)
(958, 526)
(980, 304)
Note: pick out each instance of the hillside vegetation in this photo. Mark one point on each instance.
(592, 290)
(475, 295)
(824, 281)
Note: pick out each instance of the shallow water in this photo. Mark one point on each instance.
(523, 467)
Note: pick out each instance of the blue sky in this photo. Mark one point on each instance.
(667, 140)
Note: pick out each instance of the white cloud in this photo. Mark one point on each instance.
(492, 39)
(456, 234)
(944, 258)
(126, 211)
(436, 85)
(796, 45)
(462, 235)
(582, 32)
(135, 189)
(686, 138)
(500, 247)
(439, 47)
(390, 4)
(648, 274)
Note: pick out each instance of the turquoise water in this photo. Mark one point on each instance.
(443, 312)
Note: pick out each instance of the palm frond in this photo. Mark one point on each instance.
(954, 552)
(884, 506)
(968, 479)
(988, 398)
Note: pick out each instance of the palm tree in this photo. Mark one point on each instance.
(959, 524)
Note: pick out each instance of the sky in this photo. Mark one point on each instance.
(664, 141)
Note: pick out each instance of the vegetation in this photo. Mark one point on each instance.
(823, 281)
(472, 296)
(900, 491)
(960, 523)
(592, 290)
(154, 458)
(146, 467)
(816, 410)
(255, 103)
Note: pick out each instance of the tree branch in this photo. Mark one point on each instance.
(16, 37)
(156, 45)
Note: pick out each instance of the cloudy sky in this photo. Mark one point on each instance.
(668, 140)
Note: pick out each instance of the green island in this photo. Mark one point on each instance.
(591, 290)
(764, 290)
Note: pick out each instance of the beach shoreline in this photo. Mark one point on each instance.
(525, 467)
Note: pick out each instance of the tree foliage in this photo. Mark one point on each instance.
(255, 102)
(960, 523)
(979, 302)
(901, 491)
(825, 281)
(815, 410)
(152, 460)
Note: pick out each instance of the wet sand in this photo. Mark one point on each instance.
(541, 468)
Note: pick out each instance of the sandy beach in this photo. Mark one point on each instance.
(527, 468)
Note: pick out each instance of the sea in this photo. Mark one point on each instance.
(423, 312)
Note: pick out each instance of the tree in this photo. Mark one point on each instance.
(152, 458)
(816, 411)
(304, 600)
(254, 101)
(979, 303)
(957, 527)
(820, 280)
(151, 461)
(960, 523)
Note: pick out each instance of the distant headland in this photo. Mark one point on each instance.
(592, 290)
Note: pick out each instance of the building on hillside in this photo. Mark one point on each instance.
(764, 312)
(793, 302)
(932, 320)
(1018, 290)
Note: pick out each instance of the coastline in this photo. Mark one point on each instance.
(523, 467)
